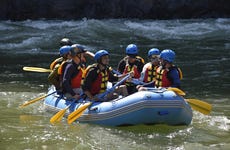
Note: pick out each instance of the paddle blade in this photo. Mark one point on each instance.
(32, 101)
(75, 117)
(178, 91)
(36, 69)
(77, 113)
(201, 106)
(58, 116)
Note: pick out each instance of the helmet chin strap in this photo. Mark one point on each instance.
(79, 57)
(103, 64)
(99, 62)
(163, 63)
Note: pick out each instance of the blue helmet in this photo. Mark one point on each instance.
(153, 51)
(99, 54)
(168, 55)
(64, 50)
(131, 49)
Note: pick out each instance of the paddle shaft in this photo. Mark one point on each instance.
(36, 99)
(114, 87)
(78, 112)
(134, 81)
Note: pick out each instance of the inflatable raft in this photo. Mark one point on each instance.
(158, 106)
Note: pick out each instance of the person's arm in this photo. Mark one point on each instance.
(90, 54)
(66, 82)
(121, 66)
(89, 79)
(144, 71)
(113, 77)
(174, 78)
(140, 66)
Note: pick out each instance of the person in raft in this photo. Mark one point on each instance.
(148, 74)
(98, 75)
(72, 73)
(167, 74)
(54, 76)
(131, 62)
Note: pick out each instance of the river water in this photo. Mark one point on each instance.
(203, 54)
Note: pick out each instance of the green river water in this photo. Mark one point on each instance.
(203, 54)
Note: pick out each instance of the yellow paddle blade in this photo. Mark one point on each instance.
(178, 91)
(58, 116)
(36, 69)
(201, 106)
(78, 112)
(75, 117)
(33, 101)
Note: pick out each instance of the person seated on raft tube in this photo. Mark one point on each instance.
(54, 76)
(167, 74)
(131, 62)
(97, 77)
(72, 72)
(148, 74)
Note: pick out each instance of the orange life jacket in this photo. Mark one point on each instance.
(56, 63)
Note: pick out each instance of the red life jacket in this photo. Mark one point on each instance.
(161, 78)
(133, 68)
(150, 73)
(100, 84)
(77, 80)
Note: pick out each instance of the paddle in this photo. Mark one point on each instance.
(178, 91)
(198, 105)
(59, 115)
(134, 81)
(78, 112)
(201, 106)
(36, 69)
(36, 99)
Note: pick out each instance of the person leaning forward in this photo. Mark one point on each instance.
(97, 77)
(72, 74)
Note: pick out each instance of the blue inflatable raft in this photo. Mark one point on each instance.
(158, 106)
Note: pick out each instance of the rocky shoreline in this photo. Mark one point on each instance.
(103, 9)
